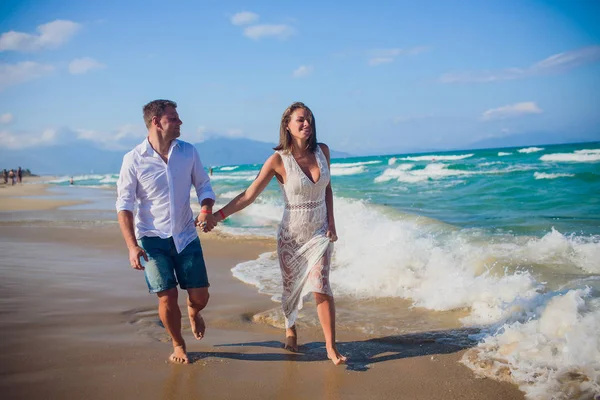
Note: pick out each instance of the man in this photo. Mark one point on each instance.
(158, 175)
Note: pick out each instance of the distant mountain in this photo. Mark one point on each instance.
(81, 157)
(231, 151)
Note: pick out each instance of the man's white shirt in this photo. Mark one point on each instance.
(159, 192)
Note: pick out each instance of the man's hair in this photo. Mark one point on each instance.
(285, 137)
(156, 108)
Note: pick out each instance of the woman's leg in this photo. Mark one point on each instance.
(326, 312)
(291, 339)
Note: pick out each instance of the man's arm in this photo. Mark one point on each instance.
(135, 251)
(204, 192)
(126, 188)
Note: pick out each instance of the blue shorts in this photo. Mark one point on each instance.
(164, 265)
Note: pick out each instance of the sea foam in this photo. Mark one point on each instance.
(437, 157)
(530, 150)
(576, 156)
(554, 354)
(543, 175)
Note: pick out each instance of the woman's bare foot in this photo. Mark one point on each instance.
(291, 339)
(198, 326)
(179, 355)
(334, 355)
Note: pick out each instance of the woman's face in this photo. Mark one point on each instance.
(299, 125)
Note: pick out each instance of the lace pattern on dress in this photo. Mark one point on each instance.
(305, 206)
(303, 249)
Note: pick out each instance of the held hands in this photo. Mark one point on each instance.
(134, 257)
(205, 220)
(219, 216)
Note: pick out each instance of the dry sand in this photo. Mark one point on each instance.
(77, 322)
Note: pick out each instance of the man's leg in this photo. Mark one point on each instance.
(170, 315)
(197, 300)
(191, 274)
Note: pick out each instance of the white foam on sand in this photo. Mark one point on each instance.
(552, 352)
(496, 281)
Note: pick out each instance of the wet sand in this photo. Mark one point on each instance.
(26, 196)
(77, 322)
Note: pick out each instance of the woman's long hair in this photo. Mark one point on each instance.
(285, 137)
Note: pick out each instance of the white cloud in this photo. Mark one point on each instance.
(13, 74)
(302, 71)
(203, 133)
(384, 56)
(554, 64)
(6, 119)
(510, 111)
(83, 65)
(46, 137)
(121, 138)
(234, 133)
(260, 31)
(200, 135)
(51, 35)
(380, 60)
(244, 18)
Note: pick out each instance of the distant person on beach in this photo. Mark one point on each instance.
(210, 171)
(71, 181)
(19, 175)
(11, 175)
(156, 176)
(5, 176)
(307, 230)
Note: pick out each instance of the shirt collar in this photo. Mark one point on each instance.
(146, 148)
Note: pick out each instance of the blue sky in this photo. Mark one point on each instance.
(380, 76)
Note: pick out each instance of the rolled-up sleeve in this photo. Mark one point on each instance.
(126, 185)
(200, 180)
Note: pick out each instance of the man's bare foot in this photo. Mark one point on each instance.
(179, 355)
(198, 326)
(291, 339)
(335, 356)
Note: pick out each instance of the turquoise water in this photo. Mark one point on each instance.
(501, 190)
(503, 240)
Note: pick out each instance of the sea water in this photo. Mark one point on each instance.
(502, 242)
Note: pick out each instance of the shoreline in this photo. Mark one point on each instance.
(77, 321)
(26, 197)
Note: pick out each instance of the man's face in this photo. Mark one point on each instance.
(170, 124)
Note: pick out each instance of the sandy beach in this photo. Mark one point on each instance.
(77, 322)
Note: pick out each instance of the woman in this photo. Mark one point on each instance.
(307, 230)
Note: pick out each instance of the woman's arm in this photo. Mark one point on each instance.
(331, 232)
(247, 197)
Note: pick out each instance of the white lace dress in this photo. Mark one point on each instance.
(303, 248)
